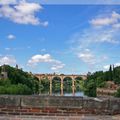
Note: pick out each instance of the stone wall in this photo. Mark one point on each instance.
(57, 105)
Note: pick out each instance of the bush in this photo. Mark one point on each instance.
(117, 94)
(90, 88)
(4, 82)
(19, 89)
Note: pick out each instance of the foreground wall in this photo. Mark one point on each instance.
(57, 105)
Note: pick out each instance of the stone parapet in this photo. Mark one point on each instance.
(57, 105)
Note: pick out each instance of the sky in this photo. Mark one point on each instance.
(76, 1)
(61, 38)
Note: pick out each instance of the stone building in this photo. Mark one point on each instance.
(3, 74)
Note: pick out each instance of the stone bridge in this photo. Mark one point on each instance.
(62, 77)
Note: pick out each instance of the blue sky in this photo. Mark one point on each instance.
(76, 1)
(70, 39)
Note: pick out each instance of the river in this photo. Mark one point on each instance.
(80, 93)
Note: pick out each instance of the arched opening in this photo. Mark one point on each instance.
(44, 85)
(79, 83)
(67, 85)
(56, 85)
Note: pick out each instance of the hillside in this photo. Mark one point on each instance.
(16, 81)
(100, 78)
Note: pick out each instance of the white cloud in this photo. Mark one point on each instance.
(40, 58)
(107, 36)
(94, 39)
(97, 39)
(57, 67)
(7, 48)
(46, 58)
(11, 37)
(92, 36)
(9, 60)
(112, 19)
(22, 12)
(106, 67)
(87, 57)
(7, 2)
(27, 8)
(117, 64)
(117, 25)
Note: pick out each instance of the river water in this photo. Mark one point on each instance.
(80, 94)
(76, 94)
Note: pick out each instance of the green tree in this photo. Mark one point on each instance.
(18, 80)
(110, 73)
(90, 88)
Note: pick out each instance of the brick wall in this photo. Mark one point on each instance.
(56, 105)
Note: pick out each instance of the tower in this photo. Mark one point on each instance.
(4, 74)
(16, 66)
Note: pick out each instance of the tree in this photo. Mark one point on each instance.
(110, 73)
(90, 88)
(18, 82)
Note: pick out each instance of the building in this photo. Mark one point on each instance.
(3, 74)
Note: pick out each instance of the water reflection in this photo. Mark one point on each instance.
(80, 94)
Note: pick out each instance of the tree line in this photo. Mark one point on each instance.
(98, 80)
(18, 82)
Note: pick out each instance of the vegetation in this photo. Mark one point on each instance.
(18, 82)
(98, 80)
(44, 86)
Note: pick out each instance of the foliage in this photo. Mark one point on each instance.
(15, 89)
(67, 85)
(56, 84)
(90, 88)
(44, 85)
(99, 78)
(18, 82)
(117, 94)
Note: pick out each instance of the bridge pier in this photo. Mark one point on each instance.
(62, 77)
(62, 87)
(39, 85)
(50, 86)
(73, 86)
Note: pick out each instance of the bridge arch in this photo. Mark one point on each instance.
(79, 83)
(61, 81)
(78, 78)
(44, 85)
(56, 84)
(67, 84)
